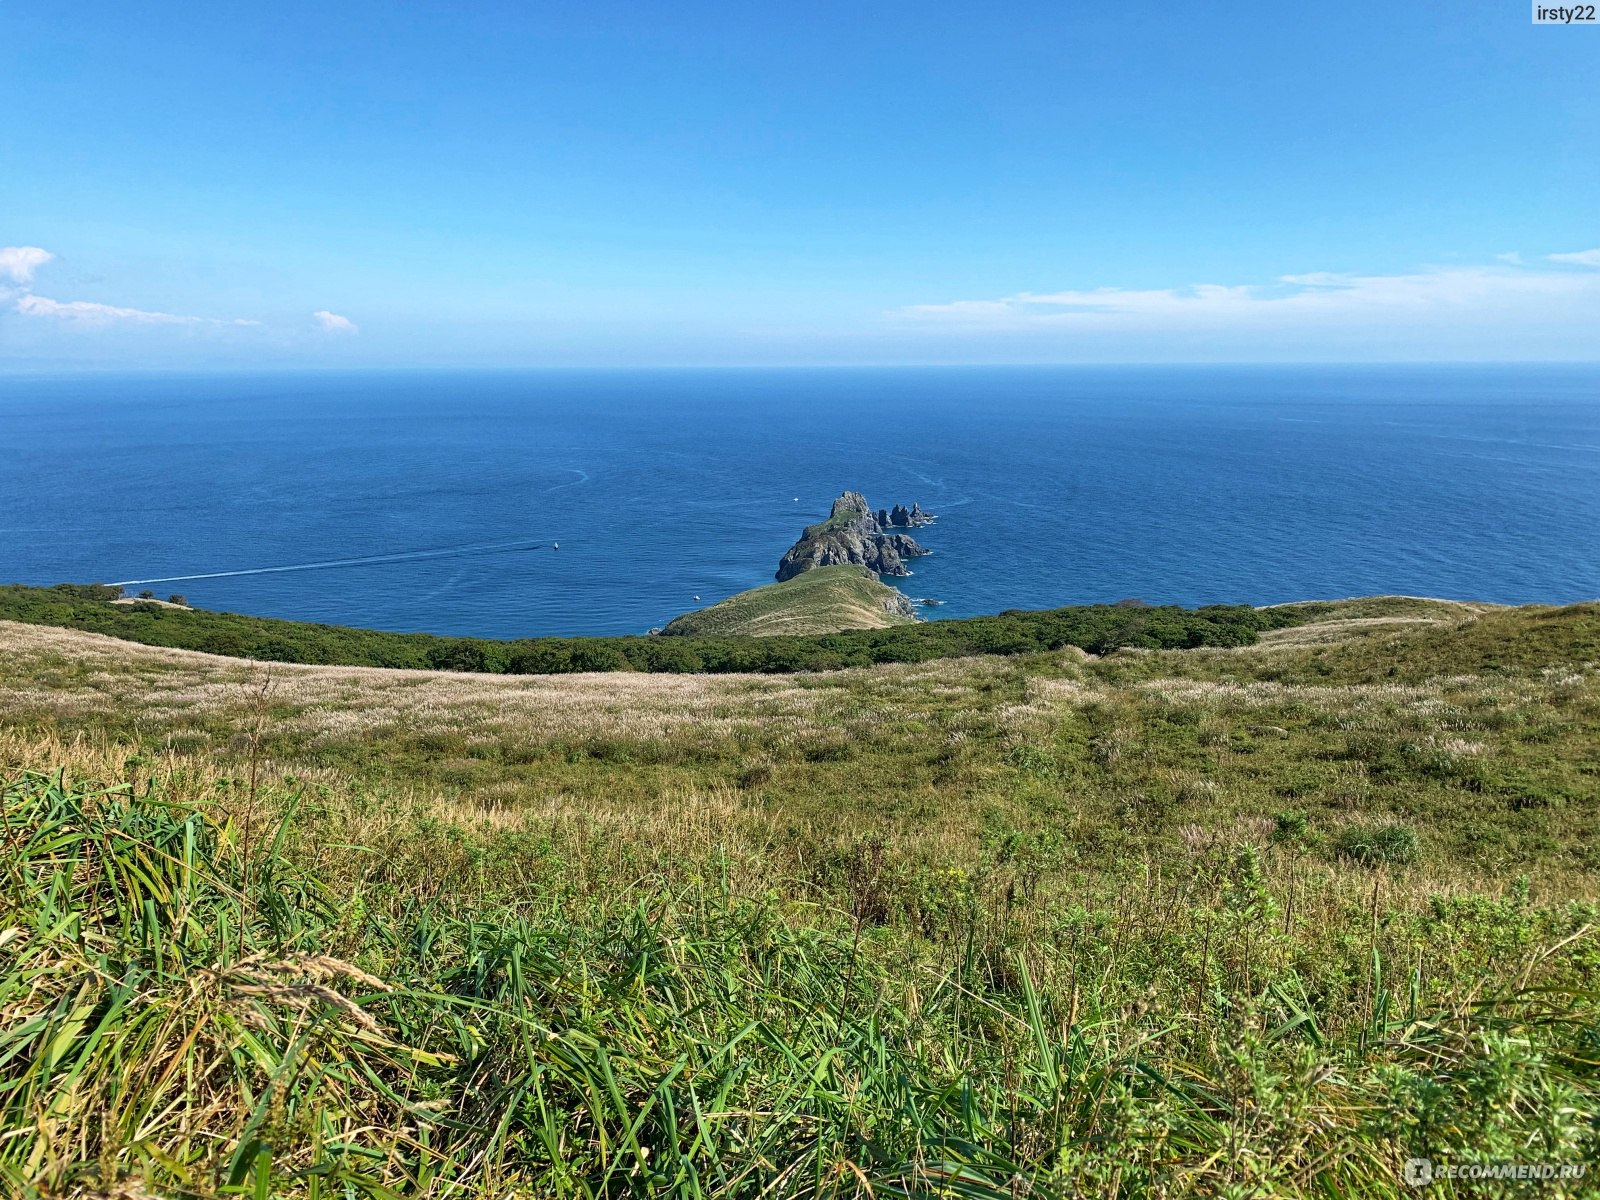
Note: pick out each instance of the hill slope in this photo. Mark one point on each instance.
(822, 600)
(1271, 918)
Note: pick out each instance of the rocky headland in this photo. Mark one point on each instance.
(853, 533)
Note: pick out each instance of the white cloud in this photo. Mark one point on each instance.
(1584, 258)
(334, 323)
(1325, 300)
(18, 263)
(87, 312)
(1510, 256)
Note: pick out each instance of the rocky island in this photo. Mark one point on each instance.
(853, 533)
(828, 581)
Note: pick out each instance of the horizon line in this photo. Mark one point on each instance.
(14, 371)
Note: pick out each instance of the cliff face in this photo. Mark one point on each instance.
(853, 533)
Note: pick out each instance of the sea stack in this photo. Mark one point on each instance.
(853, 533)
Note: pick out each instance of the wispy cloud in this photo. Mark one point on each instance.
(332, 322)
(18, 263)
(1584, 258)
(87, 312)
(1455, 293)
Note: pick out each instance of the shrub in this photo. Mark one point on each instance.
(89, 591)
(1291, 825)
(462, 655)
(1098, 628)
(1373, 845)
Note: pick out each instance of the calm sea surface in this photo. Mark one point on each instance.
(1053, 486)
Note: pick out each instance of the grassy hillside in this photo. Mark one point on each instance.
(822, 600)
(1242, 921)
(1091, 627)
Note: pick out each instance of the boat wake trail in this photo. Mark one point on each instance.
(368, 560)
(583, 477)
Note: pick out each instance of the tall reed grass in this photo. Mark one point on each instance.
(204, 991)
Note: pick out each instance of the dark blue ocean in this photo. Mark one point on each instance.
(1053, 486)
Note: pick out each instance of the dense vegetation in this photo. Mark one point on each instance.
(1096, 628)
(1220, 922)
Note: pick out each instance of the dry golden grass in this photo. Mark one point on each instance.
(1125, 756)
(69, 673)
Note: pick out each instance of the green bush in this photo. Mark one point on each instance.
(1374, 845)
(1290, 825)
(89, 591)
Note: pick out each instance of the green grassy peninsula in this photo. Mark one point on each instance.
(821, 600)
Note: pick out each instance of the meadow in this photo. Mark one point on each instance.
(1237, 920)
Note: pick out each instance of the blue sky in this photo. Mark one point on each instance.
(707, 183)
